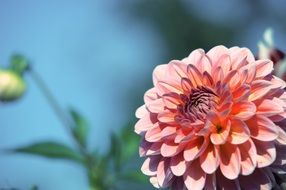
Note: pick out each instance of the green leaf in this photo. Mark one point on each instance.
(135, 176)
(130, 142)
(18, 63)
(80, 131)
(34, 187)
(115, 151)
(50, 150)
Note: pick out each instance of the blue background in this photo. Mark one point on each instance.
(93, 54)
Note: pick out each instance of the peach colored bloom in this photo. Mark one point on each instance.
(214, 120)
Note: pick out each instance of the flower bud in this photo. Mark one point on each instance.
(12, 85)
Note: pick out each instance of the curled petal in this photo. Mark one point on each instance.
(262, 128)
(164, 174)
(154, 134)
(242, 93)
(269, 108)
(195, 177)
(143, 124)
(178, 165)
(239, 132)
(195, 148)
(150, 165)
(209, 159)
(150, 95)
(220, 135)
(259, 88)
(170, 149)
(159, 73)
(171, 100)
(263, 68)
(248, 157)
(230, 160)
(266, 153)
(141, 111)
(243, 110)
(156, 106)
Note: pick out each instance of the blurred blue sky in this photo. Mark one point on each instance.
(90, 53)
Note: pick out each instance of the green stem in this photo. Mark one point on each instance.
(66, 121)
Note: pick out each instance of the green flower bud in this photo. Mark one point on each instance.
(12, 85)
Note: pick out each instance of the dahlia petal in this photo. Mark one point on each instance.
(187, 85)
(154, 149)
(262, 128)
(242, 93)
(180, 135)
(205, 65)
(239, 62)
(216, 52)
(243, 110)
(266, 153)
(156, 106)
(210, 183)
(154, 182)
(178, 165)
(225, 109)
(200, 60)
(239, 54)
(207, 79)
(150, 95)
(218, 74)
(167, 131)
(154, 134)
(171, 100)
(225, 63)
(141, 112)
(177, 69)
(194, 75)
(263, 68)
(144, 147)
(166, 117)
(150, 165)
(251, 72)
(281, 136)
(170, 149)
(209, 159)
(278, 82)
(269, 107)
(144, 124)
(239, 132)
(261, 181)
(248, 157)
(165, 87)
(195, 148)
(230, 160)
(195, 177)
(164, 174)
(221, 136)
(232, 79)
(259, 88)
(159, 73)
(195, 56)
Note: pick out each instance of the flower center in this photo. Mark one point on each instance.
(199, 102)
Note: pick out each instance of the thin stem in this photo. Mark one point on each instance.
(62, 116)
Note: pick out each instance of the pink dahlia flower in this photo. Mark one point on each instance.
(214, 120)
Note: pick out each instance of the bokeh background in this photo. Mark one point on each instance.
(98, 57)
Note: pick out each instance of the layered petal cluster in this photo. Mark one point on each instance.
(214, 120)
